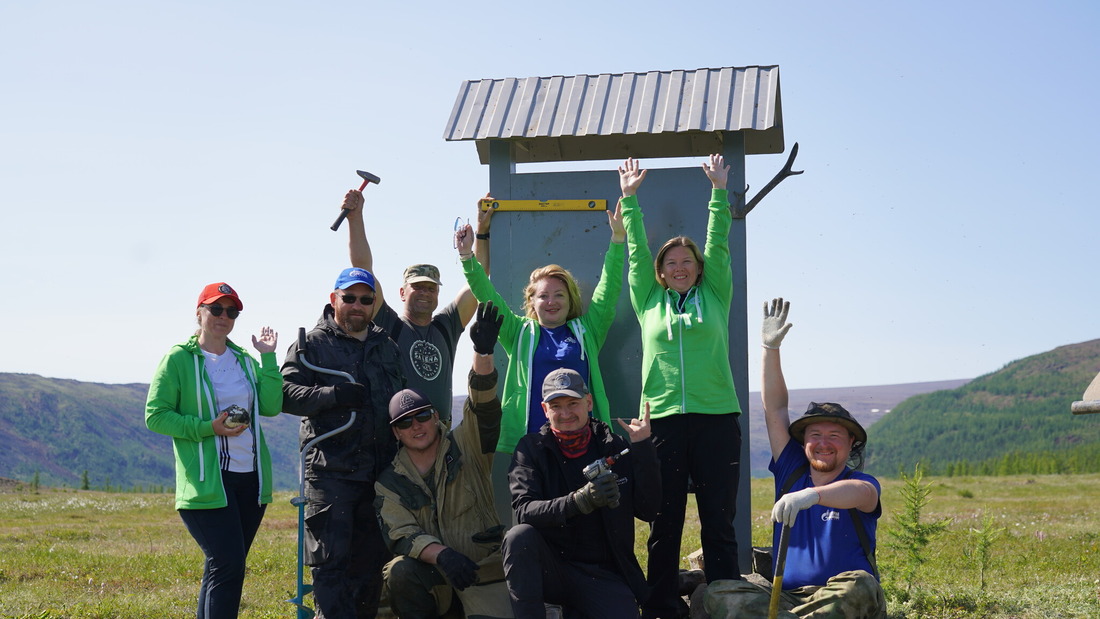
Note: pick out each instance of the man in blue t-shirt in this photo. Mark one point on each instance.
(832, 509)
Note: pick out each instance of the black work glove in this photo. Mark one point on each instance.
(457, 567)
(600, 492)
(351, 395)
(608, 486)
(485, 330)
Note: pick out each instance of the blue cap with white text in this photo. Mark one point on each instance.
(352, 276)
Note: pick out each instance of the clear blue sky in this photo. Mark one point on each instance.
(945, 225)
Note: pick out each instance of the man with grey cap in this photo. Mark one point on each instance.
(574, 541)
(343, 544)
(831, 509)
(436, 499)
(426, 339)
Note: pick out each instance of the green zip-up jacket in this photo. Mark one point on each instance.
(519, 336)
(181, 404)
(685, 356)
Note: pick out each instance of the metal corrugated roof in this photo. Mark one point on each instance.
(606, 116)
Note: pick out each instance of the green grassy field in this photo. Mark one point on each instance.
(93, 554)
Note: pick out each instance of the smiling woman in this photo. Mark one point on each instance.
(552, 334)
(223, 470)
(683, 310)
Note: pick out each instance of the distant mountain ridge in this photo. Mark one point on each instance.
(59, 428)
(867, 404)
(1014, 420)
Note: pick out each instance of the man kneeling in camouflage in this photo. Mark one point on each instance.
(436, 500)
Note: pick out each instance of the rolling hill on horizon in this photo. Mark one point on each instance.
(60, 428)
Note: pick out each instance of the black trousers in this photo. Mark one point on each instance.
(344, 547)
(537, 574)
(705, 449)
(225, 535)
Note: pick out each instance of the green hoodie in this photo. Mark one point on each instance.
(181, 405)
(519, 338)
(697, 338)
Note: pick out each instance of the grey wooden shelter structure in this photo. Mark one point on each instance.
(734, 111)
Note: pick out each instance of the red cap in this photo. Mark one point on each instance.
(217, 290)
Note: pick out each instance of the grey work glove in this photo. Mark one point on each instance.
(600, 492)
(775, 325)
(787, 507)
(459, 569)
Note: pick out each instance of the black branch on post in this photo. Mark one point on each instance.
(784, 173)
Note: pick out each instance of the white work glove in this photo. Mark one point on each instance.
(787, 507)
(775, 324)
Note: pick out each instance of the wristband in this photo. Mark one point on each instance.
(483, 237)
(769, 347)
(466, 257)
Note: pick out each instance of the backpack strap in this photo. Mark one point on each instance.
(853, 513)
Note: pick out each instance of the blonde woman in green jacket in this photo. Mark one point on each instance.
(555, 331)
(683, 311)
(208, 395)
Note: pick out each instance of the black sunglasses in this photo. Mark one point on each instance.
(406, 422)
(216, 310)
(363, 300)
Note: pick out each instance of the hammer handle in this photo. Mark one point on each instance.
(339, 220)
(344, 212)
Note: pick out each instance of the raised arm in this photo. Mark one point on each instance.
(773, 390)
(483, 290)
(466, 301)
(716, 249)
(358, 246)
(639, 261)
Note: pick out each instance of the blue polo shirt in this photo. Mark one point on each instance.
(823, 541)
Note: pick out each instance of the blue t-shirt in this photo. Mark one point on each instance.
(557, 348)
(823, 541)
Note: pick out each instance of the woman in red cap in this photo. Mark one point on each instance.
(208, 395)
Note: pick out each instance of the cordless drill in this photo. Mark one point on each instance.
(602, 466)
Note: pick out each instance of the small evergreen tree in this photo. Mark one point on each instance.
(84, 485)
(982, 553)
(911, 536)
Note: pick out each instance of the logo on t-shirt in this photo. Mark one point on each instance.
(831, 514)
(426, 359)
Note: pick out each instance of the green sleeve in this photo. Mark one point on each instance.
(716, 251)
(484, 291)
(601, 311)
(271, 385)
(162, 407)
(640, 273)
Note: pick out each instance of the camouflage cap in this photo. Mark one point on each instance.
(422, 273)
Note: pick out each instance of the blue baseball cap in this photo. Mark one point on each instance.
(352, 276)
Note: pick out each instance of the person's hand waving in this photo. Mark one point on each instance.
(775, 325)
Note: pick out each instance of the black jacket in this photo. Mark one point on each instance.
(363, 450)
(541, 479)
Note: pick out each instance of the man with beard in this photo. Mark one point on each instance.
(427, 341)
(574, 544)
(436, 500)
(832, 510)
(343, 542)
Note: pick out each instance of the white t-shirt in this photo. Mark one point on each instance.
(231, 387)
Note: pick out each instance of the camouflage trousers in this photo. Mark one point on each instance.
(848, 595)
